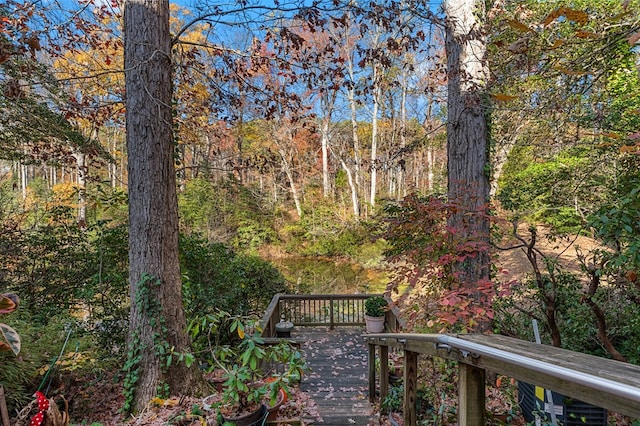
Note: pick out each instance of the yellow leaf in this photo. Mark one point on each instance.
(503, 97)
(611, 135)
(570, 72)
(165, 402)
(158, 401)
(517, 25)
(557, 43)
(629, 149)
(241, 332)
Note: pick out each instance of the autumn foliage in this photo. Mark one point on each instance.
(426, 252)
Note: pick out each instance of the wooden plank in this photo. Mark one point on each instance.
(384, 372)
(337, 380)
(371, 362)
(471, 394)
(326, 296)
(410, 387)
(591, 364)
(4, 413)
(627, 374)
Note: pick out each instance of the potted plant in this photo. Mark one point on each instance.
(374, 313)
(392, 405)
(396, 366)
(252, 385)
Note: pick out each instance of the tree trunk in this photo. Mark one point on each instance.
(404, 81)
(157, 320)
(377, 94)
(353, 107)
(467, 133)
(327, 103)
(354, 190)
(292, 183)
(81, 169)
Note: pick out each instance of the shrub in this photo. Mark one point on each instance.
(375, 306)
(215, 277)
(228, 212)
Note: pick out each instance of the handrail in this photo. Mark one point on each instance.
(603, 382)
(330, 310)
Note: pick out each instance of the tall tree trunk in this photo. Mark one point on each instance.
(157, 320)
(288, 170)
(377, 93)
(353, 188)
(81, 170)
(404, 81)
(357, 157)
(467, 133)
(24, 176)
(327, 103)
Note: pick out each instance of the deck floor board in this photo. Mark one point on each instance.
(337, 379)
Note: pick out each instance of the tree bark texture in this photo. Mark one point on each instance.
(467, 133)
(157, 320)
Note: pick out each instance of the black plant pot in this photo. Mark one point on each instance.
(257, 418)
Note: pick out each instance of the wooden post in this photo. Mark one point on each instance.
(471, 395)
(410, 387)
(331, 319)
(4, 413)
(384, 372)
(371, 358)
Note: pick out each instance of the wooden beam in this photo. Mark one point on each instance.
(4, 413)
(384, 372)
(410, 387)
(471, 394)
(626, 374)
(371, 359)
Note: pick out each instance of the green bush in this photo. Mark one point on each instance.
(375, 306)
(227, 212)
(321, 233)
(48, 265)
(557, 191)
(214, 277)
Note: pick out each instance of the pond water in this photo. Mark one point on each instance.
(310, 275)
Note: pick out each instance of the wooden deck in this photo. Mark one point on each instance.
(338, 379)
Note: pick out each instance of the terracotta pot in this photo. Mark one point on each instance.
(273, 410)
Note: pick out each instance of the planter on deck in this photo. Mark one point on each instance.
(374, 324)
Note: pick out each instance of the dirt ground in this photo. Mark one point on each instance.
(513, 262)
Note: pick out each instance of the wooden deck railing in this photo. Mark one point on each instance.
(602, 382)
(330, 310)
